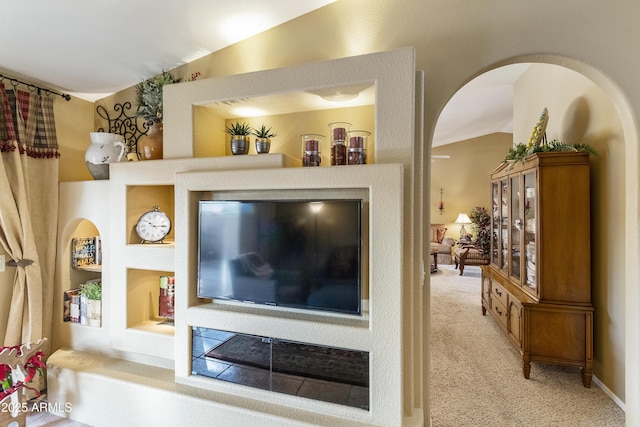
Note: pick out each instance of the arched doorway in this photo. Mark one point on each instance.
(588, 108)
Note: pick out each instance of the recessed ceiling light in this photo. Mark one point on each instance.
(341, 93)
(248, 112)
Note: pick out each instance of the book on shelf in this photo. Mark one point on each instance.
(86, 251)
(77, 308)
(71, 306)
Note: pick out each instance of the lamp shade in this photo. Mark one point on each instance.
(463, 218)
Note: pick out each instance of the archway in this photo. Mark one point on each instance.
(615, 168)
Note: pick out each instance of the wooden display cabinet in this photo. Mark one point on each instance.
(538, 284)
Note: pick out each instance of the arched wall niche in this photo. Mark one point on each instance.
(78, 227)
(68, 278)
(629, 238)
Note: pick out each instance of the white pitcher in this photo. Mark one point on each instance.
(105, 148)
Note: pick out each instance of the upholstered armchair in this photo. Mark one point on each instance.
(444, 245)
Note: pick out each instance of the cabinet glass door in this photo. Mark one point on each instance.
(495, 222)
(504, 224)
(530, 230)
(516, 226)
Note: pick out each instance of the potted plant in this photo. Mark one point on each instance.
(263, 139)
(91, 291)
(239, 137)
(480, 225)
(150, 109)
(149, 97)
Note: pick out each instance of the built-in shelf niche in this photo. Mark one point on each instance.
(143, 198)
(143, 290)
(289, 114)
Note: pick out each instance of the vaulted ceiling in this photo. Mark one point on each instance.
(91, 49)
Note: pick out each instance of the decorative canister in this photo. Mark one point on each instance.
(150, 145)
(358, 140)
(311, 149)
(338, 134)
(167, 297)
(105, 148)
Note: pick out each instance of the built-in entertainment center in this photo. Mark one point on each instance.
(370, 305)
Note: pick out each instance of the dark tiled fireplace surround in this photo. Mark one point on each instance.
(335, 391)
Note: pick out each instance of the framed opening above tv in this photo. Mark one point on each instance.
(304, 254)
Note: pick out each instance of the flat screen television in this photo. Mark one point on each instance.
(291, 253)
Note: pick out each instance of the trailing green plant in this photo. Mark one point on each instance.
(480, 225)
(91, 290)
(237, 129)
(520, 151)
(263, 132)
(149, 97)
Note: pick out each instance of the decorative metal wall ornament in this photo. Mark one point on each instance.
(125, 123)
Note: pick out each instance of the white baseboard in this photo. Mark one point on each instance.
(609, 393)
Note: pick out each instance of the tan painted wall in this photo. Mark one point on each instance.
(74, 121)
(456, 41)
(464, 178)
(580, 112)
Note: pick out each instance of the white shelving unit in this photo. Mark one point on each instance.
(131, 270)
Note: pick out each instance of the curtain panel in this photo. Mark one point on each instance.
(28, 209)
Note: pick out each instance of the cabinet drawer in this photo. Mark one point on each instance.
(499, 311)
(498, 292)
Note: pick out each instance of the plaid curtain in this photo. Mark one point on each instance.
(28, 209)
(27, 123)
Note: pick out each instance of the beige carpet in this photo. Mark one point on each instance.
(476, 375)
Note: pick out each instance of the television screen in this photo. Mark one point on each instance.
(290, 253)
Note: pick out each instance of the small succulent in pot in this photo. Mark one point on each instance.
(263, 139)
(239, 137)
(263, 132)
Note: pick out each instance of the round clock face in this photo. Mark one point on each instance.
(153, 226)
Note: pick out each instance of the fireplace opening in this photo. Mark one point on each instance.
(308, 370)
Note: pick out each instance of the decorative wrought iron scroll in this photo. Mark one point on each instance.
(123, 124)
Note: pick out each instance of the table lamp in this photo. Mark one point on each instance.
(463, 219)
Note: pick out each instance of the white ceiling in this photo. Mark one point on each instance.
(91, 49)
(481, 107)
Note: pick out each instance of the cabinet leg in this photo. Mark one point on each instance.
(484, 311)
(526, 369)
(586, 377)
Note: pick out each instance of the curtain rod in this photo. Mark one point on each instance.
(32, 87)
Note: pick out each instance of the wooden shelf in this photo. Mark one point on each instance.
(95, 268)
